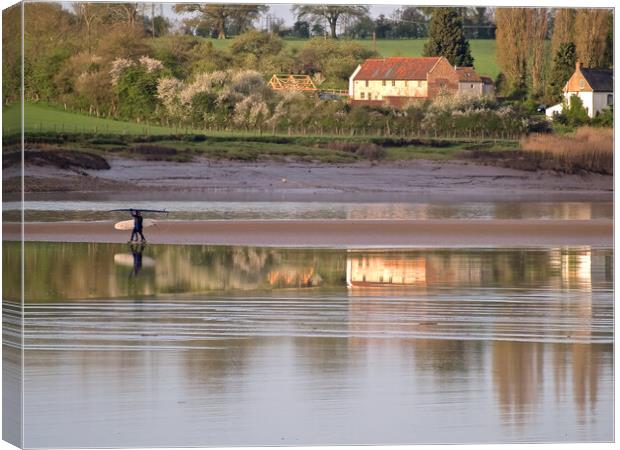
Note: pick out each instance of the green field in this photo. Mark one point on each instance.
(483, 50)
(43, 118)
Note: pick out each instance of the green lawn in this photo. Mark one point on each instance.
(483, 50)
(43, 118)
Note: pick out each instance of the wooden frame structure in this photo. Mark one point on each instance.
(292, 83)
(301, 83)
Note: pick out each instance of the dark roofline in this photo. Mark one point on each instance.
(600, 80)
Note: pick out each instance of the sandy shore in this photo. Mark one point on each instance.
(417, 181)
(336, 233)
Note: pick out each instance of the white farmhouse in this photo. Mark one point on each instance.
(595, 88)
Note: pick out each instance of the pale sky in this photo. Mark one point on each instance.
(279, 10)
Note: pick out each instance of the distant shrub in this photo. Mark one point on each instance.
(538, 124)
(256, 43)
(605, 118)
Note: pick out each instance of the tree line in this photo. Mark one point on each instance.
(220, 21)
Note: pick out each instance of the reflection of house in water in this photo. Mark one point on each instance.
(572, 269)
(365, 270)
(413, 269)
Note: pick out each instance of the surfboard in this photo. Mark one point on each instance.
(141, 210)
(128, 224)
(126, 259)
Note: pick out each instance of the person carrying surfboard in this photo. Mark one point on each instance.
(137, 226)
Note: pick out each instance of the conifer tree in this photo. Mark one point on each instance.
(562, 69)
(446, 38)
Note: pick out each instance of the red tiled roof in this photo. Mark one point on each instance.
(396, 68)
(468, 74)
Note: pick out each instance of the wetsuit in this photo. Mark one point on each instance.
(137, 226)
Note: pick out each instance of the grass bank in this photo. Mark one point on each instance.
(320, 149)
(40, 118)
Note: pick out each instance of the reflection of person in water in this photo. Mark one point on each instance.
(136, 251)
(137, 226)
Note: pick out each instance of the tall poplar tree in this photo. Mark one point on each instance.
(591, 27)
(513, 47)
(446, 38)
(537, 31)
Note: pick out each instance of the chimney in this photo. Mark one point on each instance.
(578, 65)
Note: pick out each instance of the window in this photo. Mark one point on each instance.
(383, 83)
(471, 86)
(406, 83)
(369, 96)
(362, 95)
(582, 83)
(419, 83)
(610, 99)
(393, 82)
(366, 83)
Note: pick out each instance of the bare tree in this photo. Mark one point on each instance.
(89, 15)
(332, 14)
(218, 16)
(124, 12)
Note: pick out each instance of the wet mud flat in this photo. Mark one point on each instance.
(418, 180)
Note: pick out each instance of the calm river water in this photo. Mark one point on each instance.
(206, 346)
